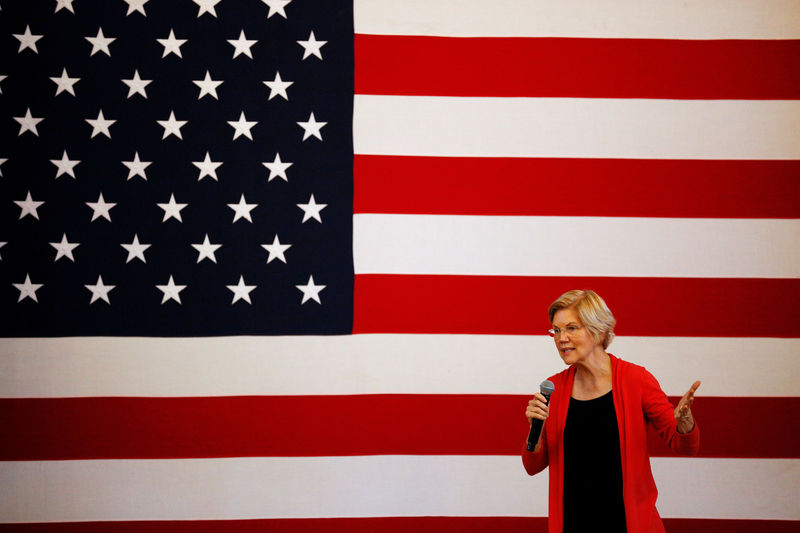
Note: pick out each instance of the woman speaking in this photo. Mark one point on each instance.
(594, 437)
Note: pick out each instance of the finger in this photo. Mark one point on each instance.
(688, 397)
(683, 412)
(538, 408)
(694, 387)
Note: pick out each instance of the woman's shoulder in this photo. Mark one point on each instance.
(620, 365)
(561, 377)
(628, 371)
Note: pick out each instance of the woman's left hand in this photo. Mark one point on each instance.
(683, 412)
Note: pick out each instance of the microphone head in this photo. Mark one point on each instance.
(547, 388)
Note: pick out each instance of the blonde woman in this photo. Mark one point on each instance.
(594, 437)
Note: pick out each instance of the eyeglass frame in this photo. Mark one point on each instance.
(570, 330)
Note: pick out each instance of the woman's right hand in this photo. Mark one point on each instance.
(537, 408)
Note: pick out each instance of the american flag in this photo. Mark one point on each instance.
(284, 264)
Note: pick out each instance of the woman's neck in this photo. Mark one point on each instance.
(592, 376)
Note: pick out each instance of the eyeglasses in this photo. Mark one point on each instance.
(569, 330)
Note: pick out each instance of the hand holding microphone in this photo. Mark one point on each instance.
(537, 412)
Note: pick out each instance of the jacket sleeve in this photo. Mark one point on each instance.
(535, 462)
(661, 414)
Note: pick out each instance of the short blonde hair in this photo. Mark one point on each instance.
(592, 310)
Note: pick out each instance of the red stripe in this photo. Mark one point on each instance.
(517, 305)
(424, 424)
(536, 186)
(572, 67)
(418, 524)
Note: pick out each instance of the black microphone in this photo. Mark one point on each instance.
(546, 388)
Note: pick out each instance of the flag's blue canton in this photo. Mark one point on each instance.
(135, 305)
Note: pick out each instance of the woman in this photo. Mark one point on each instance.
(594, 437)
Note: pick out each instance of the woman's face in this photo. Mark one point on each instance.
(574, 342)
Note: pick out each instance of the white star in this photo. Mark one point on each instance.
(312, 46)
(206, 6)
(27, 289)
(311, 291)
(136, 84)
(2, 160)
(100, 125)
(135, 249)
(241, 291)
(28, 206)
(312, 127)
(207, 167)
(171, 291)
(242, 127)
(172, 45)
(206, 250)
(312, 209)
(101, 208)
(277, 169)
(277, 87)
(137, 167)
(136, 5)
(172, 209)
(276, 6)
(100, 43)
(242, 45)
(28, 123)
(64, 4)
(27, 40)
(100, 291)
(172, 126)
(1, 245)
(64, 248)
(208, 86)
(276, 249)
(242, 209)
(1, 79)
(65, 83)
(65, 165)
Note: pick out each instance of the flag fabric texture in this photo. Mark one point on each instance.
(284, 265)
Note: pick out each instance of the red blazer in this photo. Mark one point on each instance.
(638, 400)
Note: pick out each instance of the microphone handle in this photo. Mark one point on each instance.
(536, 428)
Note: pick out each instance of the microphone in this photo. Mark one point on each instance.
(546, 388)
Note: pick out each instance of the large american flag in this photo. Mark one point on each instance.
(284, 264)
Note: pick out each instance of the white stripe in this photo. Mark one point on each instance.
(576, 246)
(309, 487)
(655, 19)
(576, 127)
(727, 488)
(373, 364)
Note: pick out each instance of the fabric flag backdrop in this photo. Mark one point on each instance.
(284, 265)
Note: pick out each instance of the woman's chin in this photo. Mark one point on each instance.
(568, 356)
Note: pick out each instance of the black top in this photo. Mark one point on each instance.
(592, 467)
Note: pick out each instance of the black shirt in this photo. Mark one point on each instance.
(592, 467)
